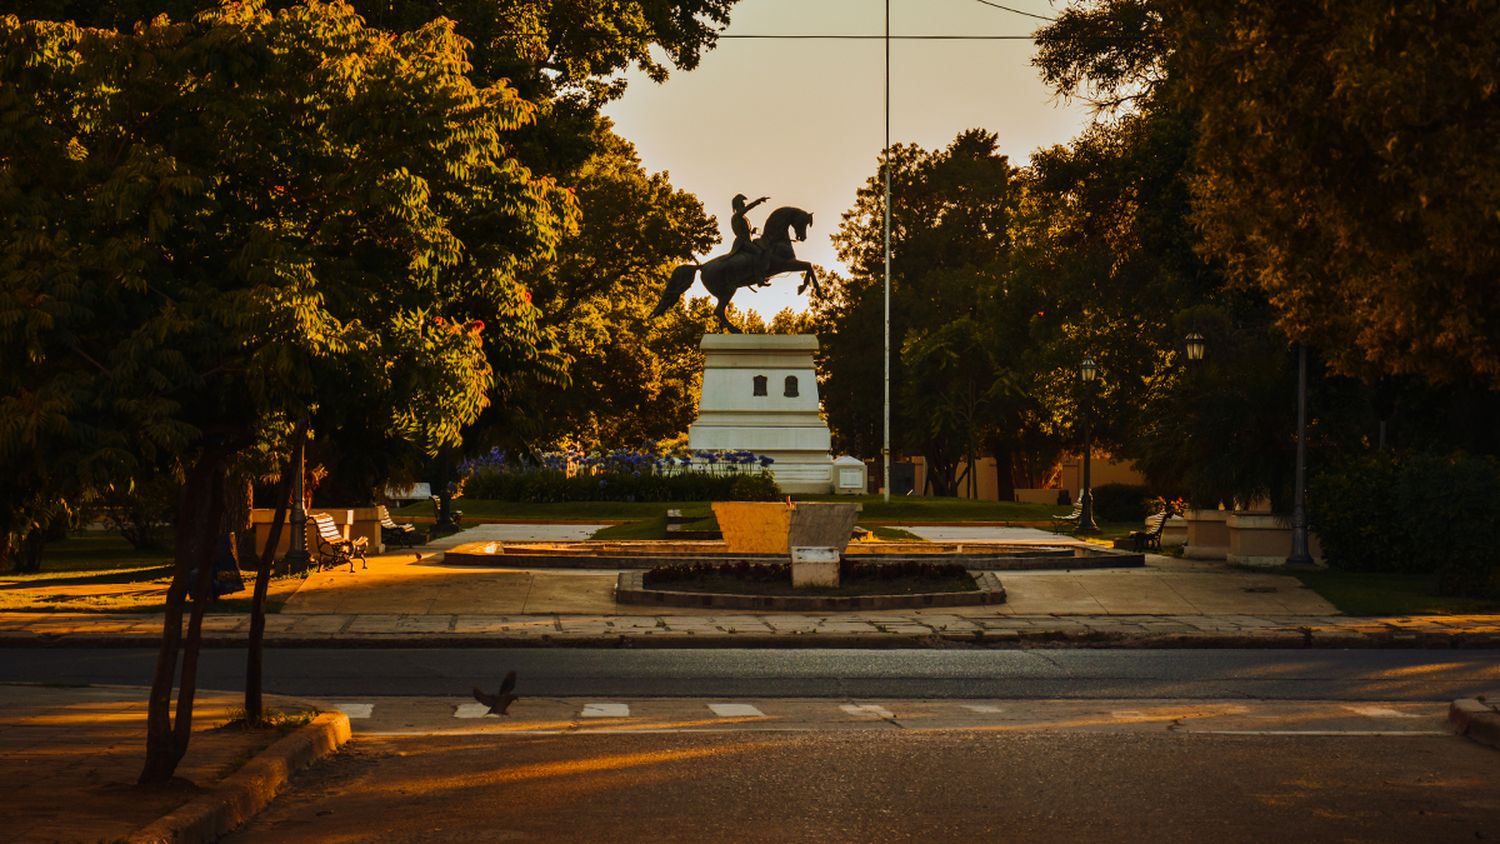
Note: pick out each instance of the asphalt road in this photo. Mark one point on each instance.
(1406, 675)
(892, 786)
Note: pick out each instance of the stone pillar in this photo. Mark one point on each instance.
(760, 394)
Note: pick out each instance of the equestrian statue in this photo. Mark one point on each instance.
(750, 262)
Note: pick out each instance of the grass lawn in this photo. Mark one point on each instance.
(98, 571)
(1367, 593)
(906, 509)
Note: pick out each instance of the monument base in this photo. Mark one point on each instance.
(760, 394)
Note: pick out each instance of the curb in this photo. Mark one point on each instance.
(1066, 637)
(1475, 720)
(247, 791)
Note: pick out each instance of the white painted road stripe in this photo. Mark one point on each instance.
(355, 710)
(470, 710)
(735, 710)
(605, 710)
(986, 708)
(1382, 712)
(868, 709)
(1320, 732)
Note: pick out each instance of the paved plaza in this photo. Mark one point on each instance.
(414, 597)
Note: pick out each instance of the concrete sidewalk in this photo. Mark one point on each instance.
(72, 755)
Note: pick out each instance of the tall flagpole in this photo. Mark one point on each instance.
(885, 450)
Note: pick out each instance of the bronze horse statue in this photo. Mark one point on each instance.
(738, 268)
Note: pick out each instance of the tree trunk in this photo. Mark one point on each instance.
(942, 472)
(1005, 471)
(440, 475)
(239, 502)
(199, 512)
(254, 699)
(29, 560)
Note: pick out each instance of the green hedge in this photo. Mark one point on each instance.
(1120, 503)
(1420, 514)
(550, 485)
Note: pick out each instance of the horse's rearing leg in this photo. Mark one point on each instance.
(724, 318)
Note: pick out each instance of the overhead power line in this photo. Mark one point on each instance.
(847, 37)
(1014, 11)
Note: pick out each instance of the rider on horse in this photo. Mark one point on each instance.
(743, 231)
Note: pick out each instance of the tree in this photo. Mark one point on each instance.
(596, 295)
(1221, 125)
(951, 221)
(214, 228)
(1347, 166)
(567, 57)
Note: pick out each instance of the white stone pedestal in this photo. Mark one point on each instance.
(760, 394)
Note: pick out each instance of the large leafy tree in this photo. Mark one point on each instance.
(952, 215)
(1347, 166)
(213, 228)
(565, 56)
(625, 385)
(1219, 125)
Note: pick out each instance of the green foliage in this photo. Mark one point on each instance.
(1120, 503)
(1346, 164)
(551, 485)
(253, 250)
(960, 324)
(630, 380)
(1418, 513)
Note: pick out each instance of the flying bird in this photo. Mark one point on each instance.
(500, 701)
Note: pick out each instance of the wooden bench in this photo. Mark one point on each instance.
(393, 533)
(437, 512)
(1150, 538)
(333, 548)
(1059, 523)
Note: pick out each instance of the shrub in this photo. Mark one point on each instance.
(1120, 503)
(1421, 513)
(622, 476)
(141, 512)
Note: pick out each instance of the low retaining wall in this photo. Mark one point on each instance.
(615, 555)
(630, 588)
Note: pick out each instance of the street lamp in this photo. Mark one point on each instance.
(1300, 558)
(1196, 346)
(1087, 372)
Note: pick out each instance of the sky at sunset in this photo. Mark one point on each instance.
(802, 121)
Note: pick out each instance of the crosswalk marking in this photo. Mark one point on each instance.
(735, 710)
(867, 709)
(355, 710)
(984, 708)
(470, 710)
(605, 710)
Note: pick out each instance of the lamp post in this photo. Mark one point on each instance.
(1300, 558)
(296, 557)
(1087, 372)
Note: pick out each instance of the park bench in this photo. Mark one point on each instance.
(1150, 538)
(1060, 523)
(437, 511)
(335, 549)
(393, 533)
